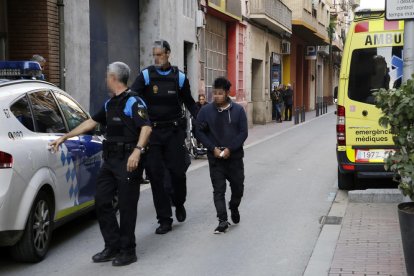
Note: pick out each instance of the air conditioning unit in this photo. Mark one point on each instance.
(200, 20)
(285, 48)
(323, 50)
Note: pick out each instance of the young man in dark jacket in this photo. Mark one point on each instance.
(222, 128)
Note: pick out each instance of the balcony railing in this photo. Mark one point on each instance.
(271, 13)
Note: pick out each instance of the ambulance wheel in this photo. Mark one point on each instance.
(35, 241)
(346, 181)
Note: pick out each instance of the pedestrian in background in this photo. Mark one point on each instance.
(127, 133)
(42, 62)
(165, 89)
(201, 101)
(288, 100)
(222, 128)
(279, 102)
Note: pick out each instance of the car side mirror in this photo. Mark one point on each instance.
(335, 95)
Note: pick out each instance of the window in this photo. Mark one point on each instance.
(372, 69)
(46, 113)
(21, 110)
(74, 115)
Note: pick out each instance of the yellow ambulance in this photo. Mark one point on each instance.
(372, 59)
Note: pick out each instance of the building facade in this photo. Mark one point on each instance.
(268, 32)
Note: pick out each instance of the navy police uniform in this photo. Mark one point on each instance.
(165, 91)
(123, 115)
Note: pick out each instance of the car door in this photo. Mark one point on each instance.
(64, 164)
(90, 158)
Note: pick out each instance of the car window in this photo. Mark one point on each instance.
(21, 110)
(74, 115)
(46, 113)
(372, 69)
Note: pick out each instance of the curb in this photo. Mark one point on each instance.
(376, 196)
(323, 252)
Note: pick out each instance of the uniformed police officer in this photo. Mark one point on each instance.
(128, 130)
(165, 89)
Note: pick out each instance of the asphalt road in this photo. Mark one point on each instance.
(290, 183)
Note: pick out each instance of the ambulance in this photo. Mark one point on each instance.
(372, 59)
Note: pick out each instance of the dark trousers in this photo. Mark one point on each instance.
(167, 154)
(113, 179)
(220, 171)
(288, 112)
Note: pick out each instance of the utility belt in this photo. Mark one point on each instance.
(117, 149)
(180, 122)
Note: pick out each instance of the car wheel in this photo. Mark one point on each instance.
(35, 241)
(346, 181)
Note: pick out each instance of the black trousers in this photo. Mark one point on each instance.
(167, 154)
(288, 112)
(220, 171)
(113, 179)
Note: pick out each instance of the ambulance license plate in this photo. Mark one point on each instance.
(372, 155)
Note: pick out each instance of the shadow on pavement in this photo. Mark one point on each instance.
(65, 233)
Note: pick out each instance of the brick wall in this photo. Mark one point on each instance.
(33, 28)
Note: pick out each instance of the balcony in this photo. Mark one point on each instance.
(305, 22)
(273, 14)
(227, 10)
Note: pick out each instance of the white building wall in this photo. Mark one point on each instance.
(77, 50)
(173, 21)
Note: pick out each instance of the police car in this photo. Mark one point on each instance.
(41, 189)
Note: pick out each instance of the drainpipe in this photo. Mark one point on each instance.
(61, 16)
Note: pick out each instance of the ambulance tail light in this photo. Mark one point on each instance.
(340, 126)
(6, 160)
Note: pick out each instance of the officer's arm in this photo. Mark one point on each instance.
(139, 85)
(188, 99)
(84, 127)
(144, 136)
(201, 131)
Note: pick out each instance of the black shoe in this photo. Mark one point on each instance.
(163, 228)
(222, 227)
(105, 256)
(180, 213)
(124, 259)
(145, 181)
(235, 215)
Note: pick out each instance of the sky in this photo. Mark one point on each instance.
(372, 4)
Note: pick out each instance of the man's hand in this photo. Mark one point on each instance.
(226, 153)
(217, 152)
(55, 144)
(133, 160)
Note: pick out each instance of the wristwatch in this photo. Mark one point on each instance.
(141, 149)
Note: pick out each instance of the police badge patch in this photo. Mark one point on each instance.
(142, 112)
(155, 89)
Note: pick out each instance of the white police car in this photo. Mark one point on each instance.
(41, 189)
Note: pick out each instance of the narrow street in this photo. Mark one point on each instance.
(290, 183)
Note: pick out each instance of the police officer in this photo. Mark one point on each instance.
(165, 89)
(128, 131)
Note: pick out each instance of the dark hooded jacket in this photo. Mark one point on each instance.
(222, 128)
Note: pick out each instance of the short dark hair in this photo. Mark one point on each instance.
(222, 83)
(162, 44)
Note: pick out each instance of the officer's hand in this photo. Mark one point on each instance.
(133, 160)
(217, 152)
(226, 153)
(55, 144)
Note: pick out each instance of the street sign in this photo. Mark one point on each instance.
(399, 9)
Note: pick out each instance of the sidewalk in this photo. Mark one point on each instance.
(366, 241)
(370, 242)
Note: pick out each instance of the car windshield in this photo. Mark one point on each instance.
(372, 69)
